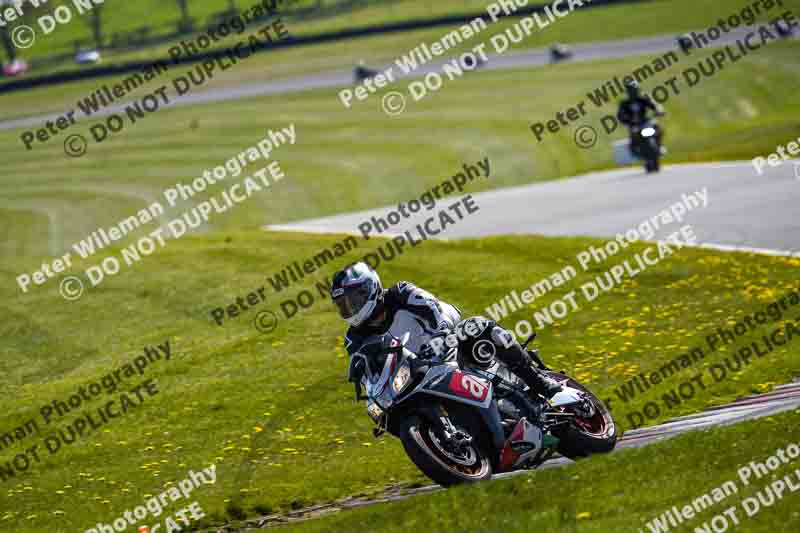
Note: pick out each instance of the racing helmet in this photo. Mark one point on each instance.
(357, 292)
(632, 86)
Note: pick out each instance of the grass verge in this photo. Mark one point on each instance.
(618, 492)
(346, 160)
(274, 412)
(626, 21)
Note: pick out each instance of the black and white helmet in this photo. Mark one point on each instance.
(632, 87)
(357, 293)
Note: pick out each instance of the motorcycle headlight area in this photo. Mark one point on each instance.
(648, 132)
(375, 412)
(402, 378)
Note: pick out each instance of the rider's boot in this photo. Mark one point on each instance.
(519, 362)
(538, 381)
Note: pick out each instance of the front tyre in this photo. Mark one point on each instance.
(583, 437)
(444, 463)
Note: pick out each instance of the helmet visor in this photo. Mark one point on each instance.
(353, 299)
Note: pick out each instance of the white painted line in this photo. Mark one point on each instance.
(744, 249)
(323, 231)
(299, 228)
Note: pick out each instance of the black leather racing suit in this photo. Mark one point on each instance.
(633, 111)
(416, 311)
(633, 114)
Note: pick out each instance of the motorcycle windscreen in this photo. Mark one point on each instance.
(382, 372)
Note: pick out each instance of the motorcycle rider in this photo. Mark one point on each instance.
(370, 309)
(633, 111)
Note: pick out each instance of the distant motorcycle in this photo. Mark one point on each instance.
(785, 31)
(463, 417)
(361, 73)
(685, 42)
(646, 145)
(560, 52)
(473, 62)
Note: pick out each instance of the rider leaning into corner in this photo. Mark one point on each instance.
(633, 111)
(370, 309)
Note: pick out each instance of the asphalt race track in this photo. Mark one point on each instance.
(342, 78)
(746, 212)
(782, 398)
(744, 209)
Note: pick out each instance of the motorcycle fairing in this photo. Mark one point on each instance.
(378, 386)
(453, 383)
(566, 396)
(437, 382)
(525, 442)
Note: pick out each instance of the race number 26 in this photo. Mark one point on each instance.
(468, 386)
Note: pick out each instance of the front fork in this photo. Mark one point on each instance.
(435, 414)
(440, 420)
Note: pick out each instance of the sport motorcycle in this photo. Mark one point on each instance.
(465, 416)
(646, 145)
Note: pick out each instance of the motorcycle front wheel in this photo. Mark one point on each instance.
(442, 462)
(652, 165)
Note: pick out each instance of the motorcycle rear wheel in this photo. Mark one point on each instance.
(586, 436)
(444, 466)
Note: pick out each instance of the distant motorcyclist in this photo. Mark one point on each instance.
(362, 72)
(633, 111)
(404, 308)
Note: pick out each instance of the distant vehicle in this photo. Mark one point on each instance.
(684, 42)
(784, 30)
(87, 57)
(560, 52)
(361, 73)
(15, 68)
(647, 147)
(478, 62)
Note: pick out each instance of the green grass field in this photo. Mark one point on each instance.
(120, 17)
(615, 22)
(274, 412)
(740, 113)
(123, 17)
(595, 496)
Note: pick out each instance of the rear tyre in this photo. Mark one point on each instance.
(444, 465)
(586, 436)
(652, 165)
